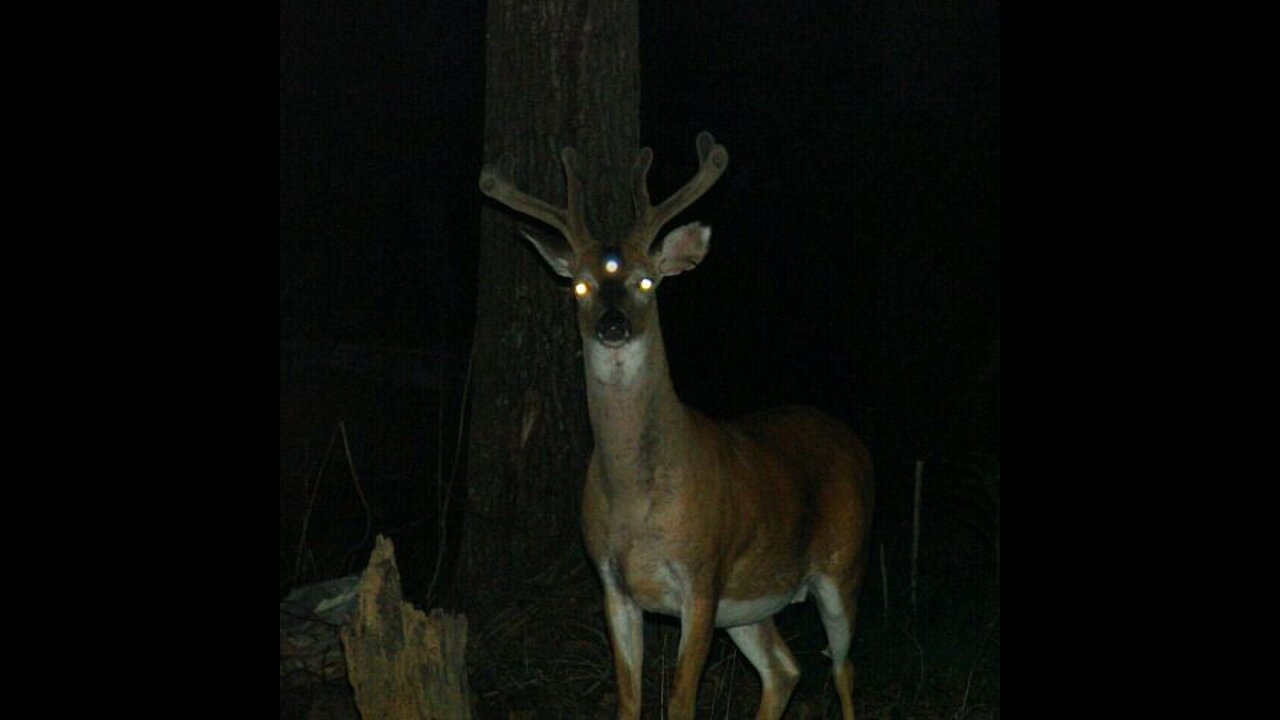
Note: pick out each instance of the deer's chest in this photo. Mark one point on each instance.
(655, 549)
(655, 584)
(660, 585)
(641, 547)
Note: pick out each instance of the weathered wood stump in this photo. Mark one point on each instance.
(403, 664)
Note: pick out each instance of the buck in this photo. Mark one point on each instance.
(721, 524)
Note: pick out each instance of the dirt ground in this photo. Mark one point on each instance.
(544, 654)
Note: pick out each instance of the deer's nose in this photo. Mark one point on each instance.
(613, 327)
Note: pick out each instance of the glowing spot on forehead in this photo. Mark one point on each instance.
(611, 263)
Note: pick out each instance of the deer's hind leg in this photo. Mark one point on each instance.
(838, 609)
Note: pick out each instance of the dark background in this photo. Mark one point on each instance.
(855, 256)
(855, 261)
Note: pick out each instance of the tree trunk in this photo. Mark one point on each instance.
(558, 74)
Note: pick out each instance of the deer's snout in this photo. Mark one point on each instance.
(613, 327)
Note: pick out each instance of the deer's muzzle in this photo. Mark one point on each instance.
(613, 327)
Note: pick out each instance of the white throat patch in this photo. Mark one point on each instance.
(616, 366)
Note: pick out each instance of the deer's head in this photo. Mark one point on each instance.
(614, 282)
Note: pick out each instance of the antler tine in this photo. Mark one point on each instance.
(713, 158)
(496, 182)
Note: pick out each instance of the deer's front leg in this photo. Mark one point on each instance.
(697, 623)
(626, 631)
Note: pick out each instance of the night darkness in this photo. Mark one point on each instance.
(854, 266)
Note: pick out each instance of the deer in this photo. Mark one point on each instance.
(721, 524)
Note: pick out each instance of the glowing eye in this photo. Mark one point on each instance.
(646, 284)
(611, 265)
(580, 289)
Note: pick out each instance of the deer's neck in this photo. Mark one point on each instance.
(633, 407)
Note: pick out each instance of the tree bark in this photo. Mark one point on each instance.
(558, 74)
(402, 664)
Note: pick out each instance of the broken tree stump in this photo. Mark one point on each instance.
(403, 664)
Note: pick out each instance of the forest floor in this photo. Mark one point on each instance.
(546, 655)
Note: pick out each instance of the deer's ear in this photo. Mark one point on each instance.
(683, 248)
(555, 251)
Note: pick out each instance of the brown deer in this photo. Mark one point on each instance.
(721, 524)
